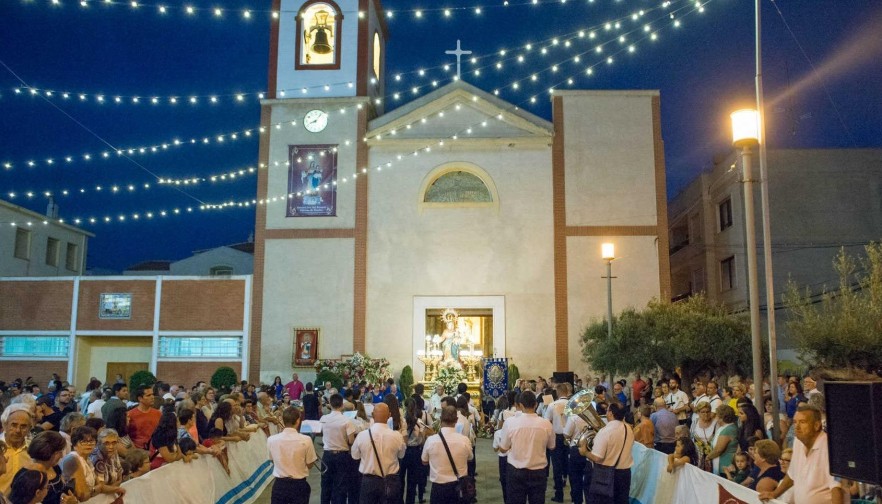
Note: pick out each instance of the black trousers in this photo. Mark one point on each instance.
(525, 485)
(621, 488)
(373, 489)
(443, 493)
(503, 467)
(353, 483)
(290, 491)
(559, 463)
(335, 478)
(576, 468)
(411, 473)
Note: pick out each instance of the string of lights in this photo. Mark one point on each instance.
(542, 47)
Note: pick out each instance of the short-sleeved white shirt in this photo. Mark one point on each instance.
(608, 443)
(336, 430)
(810, 472)
(434, 453)
(526, 437)
(390, 447)
(291, 453)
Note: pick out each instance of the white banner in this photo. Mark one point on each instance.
(204, 479)
(651, 483)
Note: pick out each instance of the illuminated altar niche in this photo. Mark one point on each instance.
(479, 321)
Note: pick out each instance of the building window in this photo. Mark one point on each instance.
(115, 305)
(726, 214)
(221, 271)
(318, 43)
(72, 262)
(52, 251)
(22, 243)
(458, 187)
(377, 54)
(200, 347)
(727, 273)
(34, 346)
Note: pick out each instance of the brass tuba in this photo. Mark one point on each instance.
(580, 404)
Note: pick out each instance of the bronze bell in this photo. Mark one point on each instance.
(321, 45)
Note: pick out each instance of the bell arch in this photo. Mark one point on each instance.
(319, 33)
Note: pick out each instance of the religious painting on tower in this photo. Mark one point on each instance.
(312, 181)
(305, 346)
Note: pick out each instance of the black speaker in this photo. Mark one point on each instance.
(854, 429)
(564, 377)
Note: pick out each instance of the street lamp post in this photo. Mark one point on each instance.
(745, 136)
(608, 253)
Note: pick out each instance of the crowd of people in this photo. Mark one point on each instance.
(58, 446)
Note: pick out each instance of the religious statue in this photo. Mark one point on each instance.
(450, 339)
(306, 347)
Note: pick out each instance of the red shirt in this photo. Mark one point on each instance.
(294, 389)
(142, 424)
(638, 387)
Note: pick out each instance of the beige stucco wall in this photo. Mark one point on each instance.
(94, 352)
(308, 283)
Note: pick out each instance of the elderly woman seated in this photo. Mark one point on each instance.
(105, 458)
(77, 470)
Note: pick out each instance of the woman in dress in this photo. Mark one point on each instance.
(703, 432)
(46, 450)
(725, 441)
(210, 403)
(794, 398)
(765, 457)
(77, 470)
(278, 387)
(164, 441)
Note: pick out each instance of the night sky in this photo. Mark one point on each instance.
(704, 69)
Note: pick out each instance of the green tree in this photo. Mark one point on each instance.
(842, 329)
(223, 379)
(693, 335)
(405, 381)
(513, 375)
(329, 376)
(139, 378)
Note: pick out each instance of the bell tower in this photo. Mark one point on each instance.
(328, 48)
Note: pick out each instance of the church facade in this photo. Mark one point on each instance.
(377, 223)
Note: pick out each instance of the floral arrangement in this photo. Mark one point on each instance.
(450, 377)
(356, 368)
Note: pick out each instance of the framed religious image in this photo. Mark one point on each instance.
(305, 346)
(312, 181)
(115, 306)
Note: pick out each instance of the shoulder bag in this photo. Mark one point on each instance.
(390, 483)
(603, 477)
(466, 491)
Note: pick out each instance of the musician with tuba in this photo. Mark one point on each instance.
(555, 415)
(612, 449)
(581, 426)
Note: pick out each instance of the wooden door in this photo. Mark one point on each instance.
(125, 369)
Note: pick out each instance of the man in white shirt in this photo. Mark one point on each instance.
(93, 410)
(579, 471)
(612, 448)
(713, 396)
(441, 473)
(525, 438)
(338, 433)
(809, 472)
(700, 393)
(293, 454)
(435, 402)
(378, 450)
(555, 414)
(677, 400)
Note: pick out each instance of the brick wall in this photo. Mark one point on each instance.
(35, 306)
(143, 297)
(188, 373)
(203, 305)
(41, 371)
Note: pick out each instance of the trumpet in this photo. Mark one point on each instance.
(580, 404)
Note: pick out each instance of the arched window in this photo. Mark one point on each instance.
(458, 185)
(377, 54)
(319, 26)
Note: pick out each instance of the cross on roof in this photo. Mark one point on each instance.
(459, 53)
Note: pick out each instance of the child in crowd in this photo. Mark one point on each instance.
(741, 470)
(188, 449)
(684, 453)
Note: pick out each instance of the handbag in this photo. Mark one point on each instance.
(603, 477)
(466, 491)
(390, 483)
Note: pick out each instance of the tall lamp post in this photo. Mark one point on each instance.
(608, 254)
(745, 136)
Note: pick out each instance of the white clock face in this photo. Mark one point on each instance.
(315, 120)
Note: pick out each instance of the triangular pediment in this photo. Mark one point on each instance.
(461, 110)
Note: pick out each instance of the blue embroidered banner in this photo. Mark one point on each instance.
(495, 377)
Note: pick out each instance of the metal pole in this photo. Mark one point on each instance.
(767, 229)
(609, 312)
(753, 289)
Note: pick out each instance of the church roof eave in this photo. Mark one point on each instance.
(460, 91)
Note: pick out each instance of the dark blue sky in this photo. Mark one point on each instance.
(704, 70)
